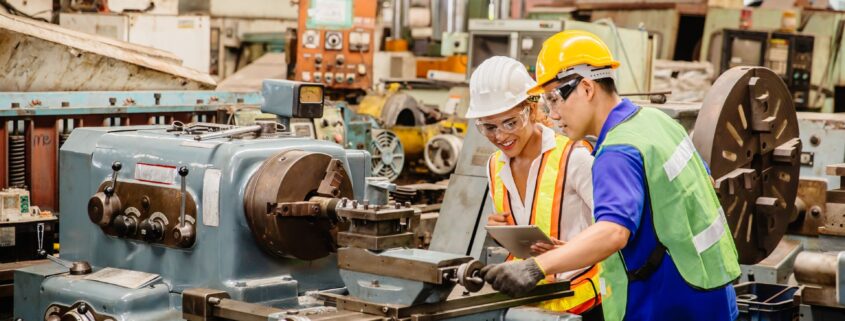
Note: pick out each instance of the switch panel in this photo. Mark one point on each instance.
(337, 51)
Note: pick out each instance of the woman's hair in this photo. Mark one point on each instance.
(537, 115)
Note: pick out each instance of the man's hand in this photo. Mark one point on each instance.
(498, 219)
(543, 247)
(513, 278)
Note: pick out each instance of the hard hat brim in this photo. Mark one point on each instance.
(471, 114)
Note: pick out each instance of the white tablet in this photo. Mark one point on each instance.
(518, 239)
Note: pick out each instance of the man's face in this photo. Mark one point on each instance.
(509, 131)
(568, 104)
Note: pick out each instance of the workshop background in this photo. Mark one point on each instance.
(311, 159)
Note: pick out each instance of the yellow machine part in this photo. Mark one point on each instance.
(414, 138)
(373, 104)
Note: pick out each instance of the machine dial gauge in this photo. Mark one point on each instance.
(310, 94)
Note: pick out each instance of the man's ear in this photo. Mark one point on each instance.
(590, 88)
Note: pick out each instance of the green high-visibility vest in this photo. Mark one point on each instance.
(687, 217)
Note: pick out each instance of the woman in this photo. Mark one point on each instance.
(537, 177)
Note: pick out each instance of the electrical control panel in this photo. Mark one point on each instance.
(797, 49)
(789, 55)
(336, 43)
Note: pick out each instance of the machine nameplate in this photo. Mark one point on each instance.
(153, 173)
(211, 198)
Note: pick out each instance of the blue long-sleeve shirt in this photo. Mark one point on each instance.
(620, 196)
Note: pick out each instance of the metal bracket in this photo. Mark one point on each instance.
(197, 304)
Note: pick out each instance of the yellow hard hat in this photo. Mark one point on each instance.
(567, 49)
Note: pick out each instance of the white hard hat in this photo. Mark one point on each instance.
(497, 85)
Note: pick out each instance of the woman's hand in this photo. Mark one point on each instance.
(497, 219)
(543, 247)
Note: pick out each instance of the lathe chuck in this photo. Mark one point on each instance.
(747, 131)
(288, 203)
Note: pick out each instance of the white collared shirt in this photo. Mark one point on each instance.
(578, 188)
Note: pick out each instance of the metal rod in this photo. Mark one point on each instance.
(229, 132)
(668, 92)
(237, 310)
(397, 19)
(183, 171)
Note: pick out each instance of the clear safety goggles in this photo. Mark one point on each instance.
(562, 92)
(505, 125)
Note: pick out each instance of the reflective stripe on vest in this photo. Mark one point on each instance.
(545, 214)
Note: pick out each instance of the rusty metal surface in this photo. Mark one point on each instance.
(361, 260)
(454, 306)
(375, 243)
(196, 306)
(141, 202)
(351, 309)
(747, 132)
(833, 219)
(812, 194)
(816, 268)
(292, 176)
(208, 304)
(377, 213)
(78, 311)
(41, 160)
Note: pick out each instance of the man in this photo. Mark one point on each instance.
(660, 233)
(536, 173)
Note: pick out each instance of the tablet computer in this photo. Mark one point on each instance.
(518, 239)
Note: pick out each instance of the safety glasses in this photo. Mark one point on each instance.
(505, 125)
(562, 92)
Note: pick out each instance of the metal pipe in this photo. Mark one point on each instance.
(450, 16)
(229, 132)
(397, 19)
(816, 268)
(460, 24)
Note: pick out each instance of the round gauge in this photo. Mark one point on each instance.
(310, 94)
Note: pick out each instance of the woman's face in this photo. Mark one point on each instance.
(510, 130)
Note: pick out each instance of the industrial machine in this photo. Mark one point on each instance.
(789, 55)
(778, 177)
(428, 122)
(157, 222)
(157, 230)
(26, 233)
(37, 124)
(523, 39)
(336, 44)
(826, 78)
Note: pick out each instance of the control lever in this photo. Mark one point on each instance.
(184, 231)
(104, 205)
(115, 167)
(75, 268)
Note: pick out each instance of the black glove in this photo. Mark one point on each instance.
(513, 278)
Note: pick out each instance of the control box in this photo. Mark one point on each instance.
(797, 51)
(789, 55)
(336, 43)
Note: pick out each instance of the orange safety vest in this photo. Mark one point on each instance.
(545, 214)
